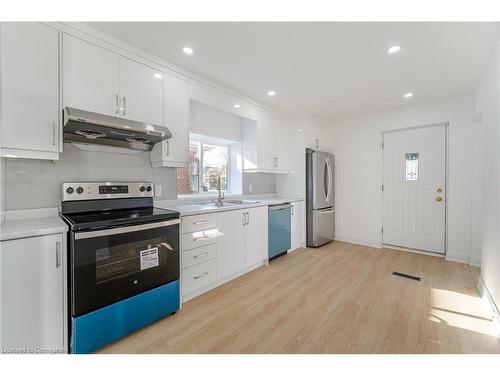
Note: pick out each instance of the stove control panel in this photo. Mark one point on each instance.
(72, 191)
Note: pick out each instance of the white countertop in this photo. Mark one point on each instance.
(198, 208)
(21, 228)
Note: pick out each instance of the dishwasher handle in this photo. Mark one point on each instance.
(280, 207)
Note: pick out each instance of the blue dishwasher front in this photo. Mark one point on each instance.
(279, 229)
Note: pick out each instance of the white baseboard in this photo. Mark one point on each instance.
(485, 293)
(358, 241)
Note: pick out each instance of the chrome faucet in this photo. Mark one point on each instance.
(220, 197)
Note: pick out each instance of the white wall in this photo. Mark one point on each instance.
(210, 121)
(356, 144)
(488, 101)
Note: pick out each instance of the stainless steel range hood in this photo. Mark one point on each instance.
(88, 127)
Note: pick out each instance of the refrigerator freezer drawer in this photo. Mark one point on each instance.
(323, 226)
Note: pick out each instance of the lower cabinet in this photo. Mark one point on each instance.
(242, 239)
(256, 235)
(230, 242)
(33, 295)
(297, 225)
(240, 243)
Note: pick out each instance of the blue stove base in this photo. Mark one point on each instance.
(98, 328)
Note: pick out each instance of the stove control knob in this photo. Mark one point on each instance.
(142, 188)
(148, 188)
(70, 190)
(79, 190)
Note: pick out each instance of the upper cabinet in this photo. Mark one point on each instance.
(141, 92)
(174, 151)
(266, 145)
(90, 77)
(29, 76)
(97, 80)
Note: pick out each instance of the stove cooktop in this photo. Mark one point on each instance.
(113, 218)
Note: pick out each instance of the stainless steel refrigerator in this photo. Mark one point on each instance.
(320, 218)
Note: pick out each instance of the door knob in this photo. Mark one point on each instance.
(439, 199)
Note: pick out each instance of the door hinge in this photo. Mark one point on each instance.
(382, 145)
(382, 187)
(382, 230)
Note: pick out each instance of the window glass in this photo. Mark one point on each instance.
(411, 169)
(208, 159)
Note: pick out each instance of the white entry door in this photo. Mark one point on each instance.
(414, 188)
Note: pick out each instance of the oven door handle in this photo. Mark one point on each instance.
(126, 229)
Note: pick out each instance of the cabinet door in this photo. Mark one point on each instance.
(175, 149)
(265, 142)
(90, 77)
(256, 235)
(141, 92)
(297, 225)
(282, 145)
(230, 243)
(32, 293)
(29, 86)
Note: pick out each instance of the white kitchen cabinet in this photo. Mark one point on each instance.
(265, 144)
(174, 151)
(230, 242)
(141, 92)
(90, 77)
(282, 145)
(256, 239)
(297, 225)
(29, 78)
(33, 294)
(98, 80)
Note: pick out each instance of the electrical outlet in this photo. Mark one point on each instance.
(157, 190)
(250, 188)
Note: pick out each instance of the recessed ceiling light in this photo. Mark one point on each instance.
(236, 105)
(408, 95)
(271, 93)
(188, 50)
(300, 130)
(157, 75)
(394, 49)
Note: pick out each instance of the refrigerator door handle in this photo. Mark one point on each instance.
(329, 190)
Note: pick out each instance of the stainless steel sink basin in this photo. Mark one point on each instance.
(215, 204)
(229, 203)
(241, 201)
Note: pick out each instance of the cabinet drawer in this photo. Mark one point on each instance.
(199, 255)
(198, 222)
(198, 276)
(198, 239)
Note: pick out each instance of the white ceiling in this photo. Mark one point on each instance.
(328, 70)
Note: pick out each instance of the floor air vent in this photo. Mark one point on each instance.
(407, 276)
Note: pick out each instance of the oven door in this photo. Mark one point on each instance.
(112, 264)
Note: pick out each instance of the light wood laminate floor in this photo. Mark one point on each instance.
(340, 298)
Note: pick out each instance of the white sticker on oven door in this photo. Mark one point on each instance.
(149, 258)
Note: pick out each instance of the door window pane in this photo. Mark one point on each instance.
(411, 166)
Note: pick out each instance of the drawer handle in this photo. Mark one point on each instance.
(201, 238)
(200, 276)
(200, 222)
(201, 255)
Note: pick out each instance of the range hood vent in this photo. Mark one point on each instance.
(89, 127)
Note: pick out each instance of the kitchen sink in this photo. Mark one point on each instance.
(241, 201)
(215, 204)
(229, 203)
